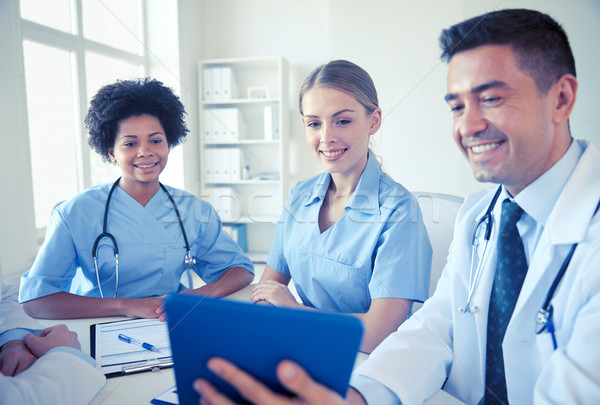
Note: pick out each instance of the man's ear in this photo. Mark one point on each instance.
(565, 90)
(375, 121)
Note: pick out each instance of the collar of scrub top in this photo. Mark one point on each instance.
(365, 198)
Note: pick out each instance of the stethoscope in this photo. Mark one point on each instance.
(189, 260)
(484, 226)
(544, 318)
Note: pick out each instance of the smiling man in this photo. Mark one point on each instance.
(482, 338)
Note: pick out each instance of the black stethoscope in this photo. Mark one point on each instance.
(189, 260)
(544, 318)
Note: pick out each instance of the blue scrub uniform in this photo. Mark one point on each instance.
(150, 241)
(378, 249)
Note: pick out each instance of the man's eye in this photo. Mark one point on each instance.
(491, 100)
(455, 109)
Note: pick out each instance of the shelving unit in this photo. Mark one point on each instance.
(244, 124)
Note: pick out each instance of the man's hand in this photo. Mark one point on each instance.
(292, 376)
(15, 357)
(50, 338)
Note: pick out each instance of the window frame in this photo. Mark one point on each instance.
(77, 45)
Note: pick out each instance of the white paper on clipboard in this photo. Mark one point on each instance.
(116, 357)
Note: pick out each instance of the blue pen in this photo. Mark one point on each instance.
(131, 340)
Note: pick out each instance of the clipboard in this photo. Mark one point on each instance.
(257, 338)
(115, 357)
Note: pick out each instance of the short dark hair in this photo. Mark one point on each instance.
(128, 98)
(539, 42)
(346, 77)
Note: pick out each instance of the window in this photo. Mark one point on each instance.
(69, 53)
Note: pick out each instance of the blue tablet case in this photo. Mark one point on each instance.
(257, 338)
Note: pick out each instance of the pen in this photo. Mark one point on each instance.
(131, 340)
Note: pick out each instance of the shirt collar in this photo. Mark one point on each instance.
(538, 198)
(366, 196)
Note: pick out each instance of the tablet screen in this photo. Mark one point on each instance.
(256, 338)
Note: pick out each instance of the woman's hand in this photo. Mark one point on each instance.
(143, 307)
(274, 293)
(292, 376)
(15, 357)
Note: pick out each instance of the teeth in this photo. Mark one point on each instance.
(485, 148)
(145, 166)
(332, 154)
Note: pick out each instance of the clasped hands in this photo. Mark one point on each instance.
(17, 356)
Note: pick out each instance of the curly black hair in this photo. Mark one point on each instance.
(128, 98)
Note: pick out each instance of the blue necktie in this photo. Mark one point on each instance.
(510, 273)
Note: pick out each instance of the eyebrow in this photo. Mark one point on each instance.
(135, 136)
(334, 115)
(478, 89)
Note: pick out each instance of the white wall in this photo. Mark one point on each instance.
(397, 43)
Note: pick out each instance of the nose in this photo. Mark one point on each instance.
(470, 122)
(327, 134)
(144, 150)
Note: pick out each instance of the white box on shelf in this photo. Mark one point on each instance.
(258, 92)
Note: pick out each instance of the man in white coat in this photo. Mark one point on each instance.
(511, 88)
(41, 365)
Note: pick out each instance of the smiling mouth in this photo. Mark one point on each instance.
(332, 154)
(146, 166)
(485, 147)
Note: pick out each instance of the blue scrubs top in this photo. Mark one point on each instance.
(378, 249)
(150, 241)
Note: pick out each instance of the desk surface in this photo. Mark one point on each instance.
(141, 388)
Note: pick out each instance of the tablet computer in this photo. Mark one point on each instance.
(256, 338)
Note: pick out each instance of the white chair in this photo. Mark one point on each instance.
(439, 214)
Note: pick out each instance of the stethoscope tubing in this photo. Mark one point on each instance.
(487, 221)
(544, 319)
(189, 260)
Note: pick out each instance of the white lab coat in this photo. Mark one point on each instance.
(440, 346)
(56, 378)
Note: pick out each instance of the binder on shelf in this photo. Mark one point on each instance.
(207, 85)
(228, 84)
(271, 124)
(209, 165)
(239, 234)
(225, 201)
(209, 119)
(216, 84)
(235, 164)
(223, 125)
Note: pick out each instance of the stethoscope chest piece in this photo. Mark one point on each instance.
(471, 309)
(189, 260)
(542, 318)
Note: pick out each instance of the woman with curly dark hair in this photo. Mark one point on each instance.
(133, 239)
